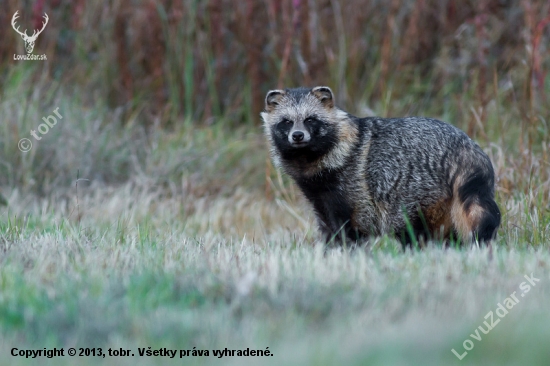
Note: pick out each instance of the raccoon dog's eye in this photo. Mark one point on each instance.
(286, 121)
(308, 120)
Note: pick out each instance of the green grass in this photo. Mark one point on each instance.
(92, 287)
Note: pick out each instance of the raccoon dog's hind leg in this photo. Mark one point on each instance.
(474, 213)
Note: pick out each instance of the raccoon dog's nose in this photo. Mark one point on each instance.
(297, 136)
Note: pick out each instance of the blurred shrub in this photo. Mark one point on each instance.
(204, 59)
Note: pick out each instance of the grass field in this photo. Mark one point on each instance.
(191, 252)
(123, 228)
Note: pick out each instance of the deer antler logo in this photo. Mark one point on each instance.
(29, 41)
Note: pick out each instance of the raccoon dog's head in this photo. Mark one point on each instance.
(302, 124)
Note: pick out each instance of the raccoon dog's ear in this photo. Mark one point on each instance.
(324, 94)
(272, 99)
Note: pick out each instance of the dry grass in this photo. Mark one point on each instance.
(205, 60)
(183, 247)
(148, 215)
(133, 273)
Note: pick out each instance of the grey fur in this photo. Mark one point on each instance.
(370, 176)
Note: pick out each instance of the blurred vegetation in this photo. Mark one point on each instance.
(207, 59)
(167, 93)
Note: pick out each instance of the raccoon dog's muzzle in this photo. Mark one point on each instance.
(299, 135)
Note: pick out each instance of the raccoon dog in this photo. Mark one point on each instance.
(408, 177)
